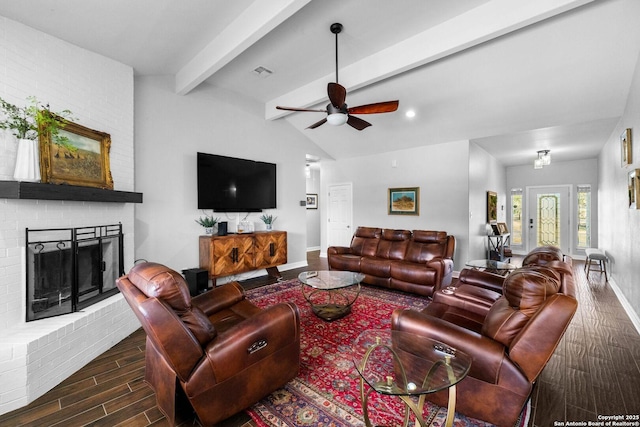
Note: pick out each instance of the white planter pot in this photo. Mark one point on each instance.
(27, 161)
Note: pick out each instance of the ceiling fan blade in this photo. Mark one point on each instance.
(299, 109)
(316, 124)
(337, 94)
(378, 107)
(357, 123)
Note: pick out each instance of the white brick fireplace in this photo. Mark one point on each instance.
(38, 355)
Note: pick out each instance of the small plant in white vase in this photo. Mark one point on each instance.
(208, 222)
(268, 219)
(27, 124)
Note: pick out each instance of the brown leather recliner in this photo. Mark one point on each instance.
(510, 345)
(224, 352)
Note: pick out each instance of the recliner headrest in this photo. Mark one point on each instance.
(368, 232)
(428, 236)
(396, 235)
(159, 281)
(527, 288)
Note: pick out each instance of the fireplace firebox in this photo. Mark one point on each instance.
(69, 269)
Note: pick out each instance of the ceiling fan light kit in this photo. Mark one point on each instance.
(337, 111)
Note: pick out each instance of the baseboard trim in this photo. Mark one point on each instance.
(313, 248)
(626, 304)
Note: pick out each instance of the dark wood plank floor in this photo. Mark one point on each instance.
(595, 371)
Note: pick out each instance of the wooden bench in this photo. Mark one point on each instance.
(598, 256)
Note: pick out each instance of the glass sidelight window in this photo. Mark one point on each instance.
(584, 216)
(516, 217)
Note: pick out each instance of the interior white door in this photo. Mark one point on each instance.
(549, 221)
(340, 215)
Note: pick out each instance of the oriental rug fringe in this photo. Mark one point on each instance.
(327, 389)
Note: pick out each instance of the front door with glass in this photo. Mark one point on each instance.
(549, 222)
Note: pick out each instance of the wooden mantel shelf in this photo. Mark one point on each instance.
(40, 191)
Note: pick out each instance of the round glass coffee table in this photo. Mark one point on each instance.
(491, 265)
(407, 365)
(330, 293)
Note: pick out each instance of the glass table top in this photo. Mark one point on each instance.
(402, 363)
(332, 279)
(490, 264)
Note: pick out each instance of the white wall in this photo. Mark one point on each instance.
(578, 172)
(485, 174)
(619, 225)
(313, 215)
(441, 171)
(170, 130)
(36, 356)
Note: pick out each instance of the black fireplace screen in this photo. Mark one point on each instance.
(69, 269)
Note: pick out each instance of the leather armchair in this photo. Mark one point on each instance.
(218, 349)
(510, 345)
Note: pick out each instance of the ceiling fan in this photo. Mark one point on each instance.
(337, 111)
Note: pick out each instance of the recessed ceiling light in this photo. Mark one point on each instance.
(410, 114)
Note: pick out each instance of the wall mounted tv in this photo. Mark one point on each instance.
(228, 184)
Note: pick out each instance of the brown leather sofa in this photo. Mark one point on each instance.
(417, 261)
(218, 349)
(510, 343)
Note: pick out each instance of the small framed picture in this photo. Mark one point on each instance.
(626, 148)
(495, 229)
(404, 201)
(502, 227)
(492, 207)
(312, 201)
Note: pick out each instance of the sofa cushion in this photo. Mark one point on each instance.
(365, 241)
(393, 244)
(374, 266)
(413, 273)
(426, 245)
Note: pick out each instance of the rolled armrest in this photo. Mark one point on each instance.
(488, 355)
(219, 298)
(483, 279)
(257, 337)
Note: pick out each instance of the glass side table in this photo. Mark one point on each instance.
(491, 265)
(407, 365)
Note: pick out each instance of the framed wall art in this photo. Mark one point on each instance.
(502, 227)
(626, 148)
(77, 156)
(634, 189)
(492, 207)
(312, 201)
(404, 201)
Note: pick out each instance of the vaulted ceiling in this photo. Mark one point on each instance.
(513, 76)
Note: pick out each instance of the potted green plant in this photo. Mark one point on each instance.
(208, 222)
(268, 219)
(26, 124)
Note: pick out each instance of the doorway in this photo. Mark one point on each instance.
(549, 219)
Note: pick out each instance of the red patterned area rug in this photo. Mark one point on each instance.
(327, 390)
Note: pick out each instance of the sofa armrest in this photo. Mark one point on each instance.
(219, 298)
(253, 339)
(483, 279)
(444, 267)
(338, 250)
(488, 355)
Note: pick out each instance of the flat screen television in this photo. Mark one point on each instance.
(229, 184)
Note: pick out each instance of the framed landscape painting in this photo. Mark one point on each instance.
(77, 156)
(404, 201)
